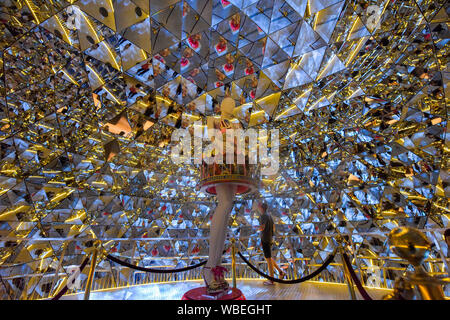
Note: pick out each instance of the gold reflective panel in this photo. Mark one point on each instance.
(91, 91)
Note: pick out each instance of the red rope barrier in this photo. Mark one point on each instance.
(358, 284)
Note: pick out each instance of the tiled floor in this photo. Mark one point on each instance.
(252, 289)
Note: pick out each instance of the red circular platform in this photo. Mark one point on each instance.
(201, 294)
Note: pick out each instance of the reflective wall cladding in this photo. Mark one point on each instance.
(91, 91)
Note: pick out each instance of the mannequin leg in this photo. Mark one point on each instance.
(219, 224)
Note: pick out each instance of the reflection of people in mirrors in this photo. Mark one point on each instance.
(143, 69)
(133, 91)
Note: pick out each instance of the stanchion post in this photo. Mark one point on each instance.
(233, 261)
(87, 292)
(348, 277)
(130, 276)
(294, 267)
(55, 278)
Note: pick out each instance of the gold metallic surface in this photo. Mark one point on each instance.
(91, 91)
(409, 244)
(91, 275)
(412, 245)
(233, 261)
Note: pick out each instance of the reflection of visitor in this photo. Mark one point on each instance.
(267, 229)
(134, 90)
(143, 69)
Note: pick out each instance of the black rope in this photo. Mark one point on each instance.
(329, 259)
(358, 284)
(64, 290)
(129, 265)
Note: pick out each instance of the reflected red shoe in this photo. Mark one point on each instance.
(194, 44)
(249, 71)
(225, 3)
(184, 62)
(219, 276)
(234, 27)
(220, 48)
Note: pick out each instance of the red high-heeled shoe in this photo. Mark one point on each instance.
(214, 286)
(219, 272)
